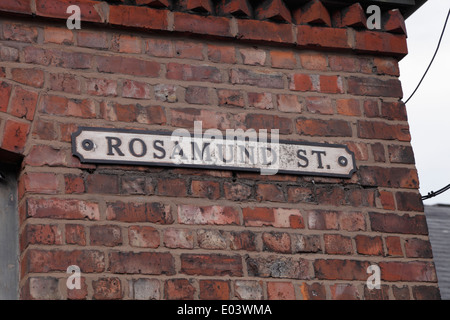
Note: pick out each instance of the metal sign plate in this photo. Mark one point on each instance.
(136, 147)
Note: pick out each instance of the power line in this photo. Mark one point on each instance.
(434, 194)
(437, 49)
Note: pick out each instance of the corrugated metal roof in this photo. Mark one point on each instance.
(438, 219)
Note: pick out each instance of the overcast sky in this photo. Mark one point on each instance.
(429, 109)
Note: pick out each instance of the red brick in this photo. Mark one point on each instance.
(245, 240)
(172, 187)
(314, 291)
(105, 235)
(418, 248)
(331, 84)
(212, 215)
(237, 191)
(40, 234)
(383, 131)
(387, 66)
(342, 291)
(9, 54)
(58, 35)
(420, 271)
(126, 65)
(143, 237)
(319, 105)
(185, 72)
(322, 128)
(41, 155)
(29, 77)
(393, 246)
(264, 31)
(331, 38)
(135, 185)
(63, 209)
(235, 7)
(379, 152)
(289, 103)
(179, 238)
(23, 103)
(101, 87)
(389, 177)
(265, 121)
(426, 293)
(126, 44)
(313, 61)
(15, 136)
(209, 25)
(95, 40)
(90, 10)
(306, 244)
(337, 244)
(253, 57)
(258, 79)
(18, 6)
(269, 192)
(75, 234)
(260, 100)
(273, 10)
(132, 16)
(222, 54)
(381, 42)
(351, 16)
(154, 3)
(393, 21)
(280, 291)
(279, 218)
(409, 201)
(57, 58)
(369, 245)
(276, 242)
(300, 194)
(107, 289)
(136, 89)
(39, 182)
(302, 82)
(393, 223)
(394, 111)
(139, 212)
(197, 95)
(159, 48)
(156, 263)
(283, 59)
(214, 290)
(387, 200)
(78, 294)
(5, 93)
(185, 118)
(333, 269)
(203, 6)
(178, 289)
(401, 293)
(348, 107)
(374, 87)
(360, 150)
(81, 108)
(101, 183)
(230, 98)
(44, 130)
(401, 154)
(323, 220)
(189, 50)
(45, 261)
(211, 265)
(65, 82)
(352, 221)
(205, 189)
(313, 12)
(20, 33)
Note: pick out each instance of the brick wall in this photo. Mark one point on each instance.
(172, 233)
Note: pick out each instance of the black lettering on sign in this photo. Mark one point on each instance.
(143, 148)
(303, 158)
(159, 145)
(114, 146)
(319, 157)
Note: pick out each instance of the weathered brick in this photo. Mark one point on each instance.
(127, 65)
(105, 235)
(374, 87)
(107, 289)
(185, 72)
(222, 54)
(334, 269)
(233, 98)
(139, 212)
(389, 177)
(179, 238)
(211, 239)
(179, 289)
(322, 128)
(369, 245)
(205, 189)
(214, 215)
(338, 244)
(278, 267)
(313, 291)
(145, 289)
(276, 242)
(15, 136)
(143, 237)
(63, 209)
(280, 291)
(393, 223)
(102, 183)
(245, 240)
(214, 290)
(197, 95)
(211, 265)
(342, 291)
(418, 248)
(248, 290)
(409, 201)
(141, 263)
(75, 234)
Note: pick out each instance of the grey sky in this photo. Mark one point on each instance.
(429, 109)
